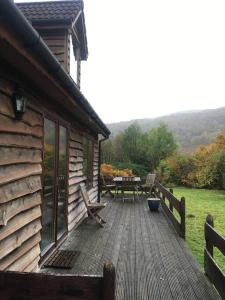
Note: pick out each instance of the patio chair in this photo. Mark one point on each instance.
(92, 208)
(148, 185)
(108, 188)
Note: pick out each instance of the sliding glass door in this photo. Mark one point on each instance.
(62, 182)
(54, 184)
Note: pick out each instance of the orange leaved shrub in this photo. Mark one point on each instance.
(109, 172)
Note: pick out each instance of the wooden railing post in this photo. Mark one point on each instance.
(171, 205)
(209, 244)
(182, 217)
(109, 282)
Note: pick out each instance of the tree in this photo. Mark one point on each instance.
(132, 143)
(160, 144)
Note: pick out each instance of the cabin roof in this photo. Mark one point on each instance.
(52, 10)
(52, 13)
(26, 33)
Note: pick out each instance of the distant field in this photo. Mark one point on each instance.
(199, 203)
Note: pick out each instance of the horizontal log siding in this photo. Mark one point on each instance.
(76, 208)
(58, 42)
(20, 186)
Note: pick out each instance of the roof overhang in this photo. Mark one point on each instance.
(35, 54)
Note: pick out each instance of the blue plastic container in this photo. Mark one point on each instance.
(153, 204)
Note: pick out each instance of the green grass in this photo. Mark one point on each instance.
(199, 203)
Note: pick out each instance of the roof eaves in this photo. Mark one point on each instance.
(30, 37)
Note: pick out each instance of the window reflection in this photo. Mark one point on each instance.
(62, 170)
(48, 184)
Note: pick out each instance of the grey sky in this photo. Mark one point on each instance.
(149, 58)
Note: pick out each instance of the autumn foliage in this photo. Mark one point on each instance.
(109, 172)
(204, 168)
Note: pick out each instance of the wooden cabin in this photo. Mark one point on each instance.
(49, 133)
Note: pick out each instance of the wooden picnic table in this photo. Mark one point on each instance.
(121, 179)
(127, 184)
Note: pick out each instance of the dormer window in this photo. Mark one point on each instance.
(61, 24)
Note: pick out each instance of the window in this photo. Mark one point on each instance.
(88, 160)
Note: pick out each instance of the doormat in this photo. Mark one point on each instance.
(62, 259)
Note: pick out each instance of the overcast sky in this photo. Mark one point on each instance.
(153, 57)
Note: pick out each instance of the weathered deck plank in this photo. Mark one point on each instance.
(151, 260)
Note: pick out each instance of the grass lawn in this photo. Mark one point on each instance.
(199, 203)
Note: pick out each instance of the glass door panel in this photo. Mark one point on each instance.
(62, 182)
(49, 171)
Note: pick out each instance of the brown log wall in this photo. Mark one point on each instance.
(20, 186)
(76, 208)
(21, 152)
(59, 43)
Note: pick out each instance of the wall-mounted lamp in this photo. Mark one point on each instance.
(19, 104)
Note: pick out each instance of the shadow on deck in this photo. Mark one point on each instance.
(151, 260)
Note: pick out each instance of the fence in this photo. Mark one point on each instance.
(44, 286)
(212, 270)
(161, 192)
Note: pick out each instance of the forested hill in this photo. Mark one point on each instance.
(190, 128)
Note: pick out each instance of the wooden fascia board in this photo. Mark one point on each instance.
(83, 36)
(77, 17)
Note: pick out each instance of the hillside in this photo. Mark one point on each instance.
(190, 128)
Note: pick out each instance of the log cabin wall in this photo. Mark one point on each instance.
(21, 151)
(58, 40)
(76, 208)
(20, 185)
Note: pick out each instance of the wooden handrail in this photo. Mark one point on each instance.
(212, 270)
(45, 286)
(162, 193)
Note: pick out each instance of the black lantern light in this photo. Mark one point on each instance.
(19, 104)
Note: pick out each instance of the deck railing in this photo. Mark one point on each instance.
(212, 270)
(44, 286)
(162, 193)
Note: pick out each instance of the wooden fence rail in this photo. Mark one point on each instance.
(45, 286)
(212, 270)
(161, 192)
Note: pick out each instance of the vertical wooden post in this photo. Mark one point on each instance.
(209, 245)
(171, 205)
(109, 282)
(182, 217)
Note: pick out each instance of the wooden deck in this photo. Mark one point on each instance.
(151, 260)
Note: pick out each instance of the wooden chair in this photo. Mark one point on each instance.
(92, 208)
(108, 188)
(148, 185)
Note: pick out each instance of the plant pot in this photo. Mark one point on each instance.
(153, 204)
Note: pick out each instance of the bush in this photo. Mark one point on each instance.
(109, 172)
(137, 169)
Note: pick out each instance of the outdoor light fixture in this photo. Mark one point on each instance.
(19, 104)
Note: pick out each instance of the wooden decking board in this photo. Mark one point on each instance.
(151, 260)
(89, 246)
(171, 264)
(192, 271)
(104, 247)
(163, 256)
(196, 276)
(154, 266)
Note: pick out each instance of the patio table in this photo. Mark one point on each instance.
(127, 184)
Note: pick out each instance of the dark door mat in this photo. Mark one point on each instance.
(62, 259)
